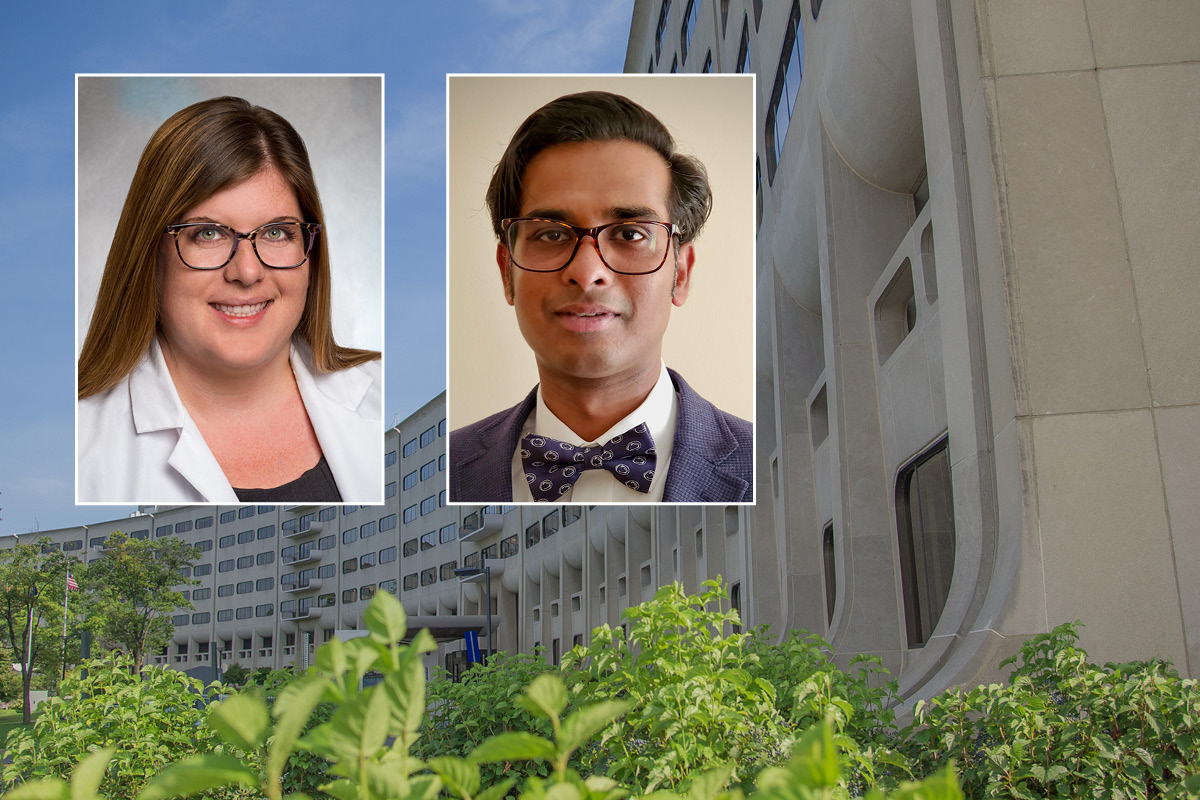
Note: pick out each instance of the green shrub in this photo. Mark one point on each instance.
(484, 702)
(695, 698)
(151, 718)
(1065, 728)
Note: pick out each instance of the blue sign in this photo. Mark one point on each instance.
(472, 638)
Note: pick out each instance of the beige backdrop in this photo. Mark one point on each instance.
(710, 340)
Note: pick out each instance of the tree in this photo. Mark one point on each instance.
(32, 581)
(131, 590)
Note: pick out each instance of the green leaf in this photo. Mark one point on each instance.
(385, 618)
(814, 760)
(424, 787)
(562, 791)
(341, 789)
(242, 721)
(547, 694)
(496, 791)
(513, 746)
(709, 784)
(45, 789)
(359, 726)
(460, 777)
(405, 691)
(292, 710)
(198, 774)
(587, 722)
(85, 780)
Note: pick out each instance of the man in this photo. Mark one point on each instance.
(596, 213)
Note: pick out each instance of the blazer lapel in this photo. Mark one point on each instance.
(481, 455)
(703, 442)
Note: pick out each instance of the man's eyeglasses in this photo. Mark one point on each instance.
(211, 245)
(633, 247)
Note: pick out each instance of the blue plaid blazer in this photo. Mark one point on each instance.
(712, 460)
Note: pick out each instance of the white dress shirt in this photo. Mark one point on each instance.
(137, 444)
(659, 411)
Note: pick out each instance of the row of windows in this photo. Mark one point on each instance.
(225, 614)
(245, 512)
(245, 537)
(426, 439)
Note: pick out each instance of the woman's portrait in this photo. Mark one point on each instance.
(217, 363)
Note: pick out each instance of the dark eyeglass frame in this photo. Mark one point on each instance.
(311, 228)
(506, 224)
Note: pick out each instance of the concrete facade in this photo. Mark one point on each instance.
(979, 227)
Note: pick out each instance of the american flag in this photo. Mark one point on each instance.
(71, 584)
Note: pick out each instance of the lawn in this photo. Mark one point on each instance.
(8, 721)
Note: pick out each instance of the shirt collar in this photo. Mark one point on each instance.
(655, 411)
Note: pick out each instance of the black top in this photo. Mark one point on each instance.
(316, 485)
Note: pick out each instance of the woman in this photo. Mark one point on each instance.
(210, 372)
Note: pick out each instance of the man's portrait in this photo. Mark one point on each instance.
(601, 289)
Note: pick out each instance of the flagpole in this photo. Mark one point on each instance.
(66, 593)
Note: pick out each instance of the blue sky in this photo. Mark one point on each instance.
(413, 44)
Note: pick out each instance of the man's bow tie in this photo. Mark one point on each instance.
(552, 467)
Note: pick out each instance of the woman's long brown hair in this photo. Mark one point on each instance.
(201, 150)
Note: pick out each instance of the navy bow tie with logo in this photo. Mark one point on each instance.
(552, 467)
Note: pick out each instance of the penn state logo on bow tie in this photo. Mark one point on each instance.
(629, 457)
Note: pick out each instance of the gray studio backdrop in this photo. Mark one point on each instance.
(341, 121)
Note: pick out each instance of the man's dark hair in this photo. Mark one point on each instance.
(599, 117)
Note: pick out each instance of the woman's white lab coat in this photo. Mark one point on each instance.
(137, 445)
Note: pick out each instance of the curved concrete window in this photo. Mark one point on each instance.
(830, 565)
(925, 525)
(785, 90)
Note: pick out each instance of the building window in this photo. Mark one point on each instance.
(228, 516)
(349, 535)
(204, 545)
(183, 527)
(245, 587)
(389, 490)
(758, 191)
(202, 594)
(442, 427)
(925, 525)
(366, 592)
(389, 458)
(367, 530)
(326, 600)
(446, 571)
(327, 514)
(410, 480)
(428, 505)
(410, 582)
(571, 514)
(245, 537)
(266, 532)
(327, 542)
(201, 570)
(429, 540)
(550, 524)
(245, 612)
(735, 603)
(366, 560)
(265, 610)
(815, 7)
(264, 558)
(224, 615)
(428, 470)
(428, 576)
(227, 541)
(410, 513)
(442, 498)
(327, 570)
(758, 6)
(349, 565)
(264, 584)
(724, 17)
(73, 545)
(533, 534)
(410, 447)
(225, 566)
(707, 68)
(387, 555)
(827, 556)
(441, 462)
(410, 548)
(203, 522)
(743, 59)
(161, 531)
(388, 586)
(245, 512)
(674, 64)
(388, 523)
(690, 14)
(448, 533)
(428, 436)
(787, 86)
(245, 562)
(663, 13)
(225, 590)
(265, 509)
(350, 596)
(180, 620)
(509, 547)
